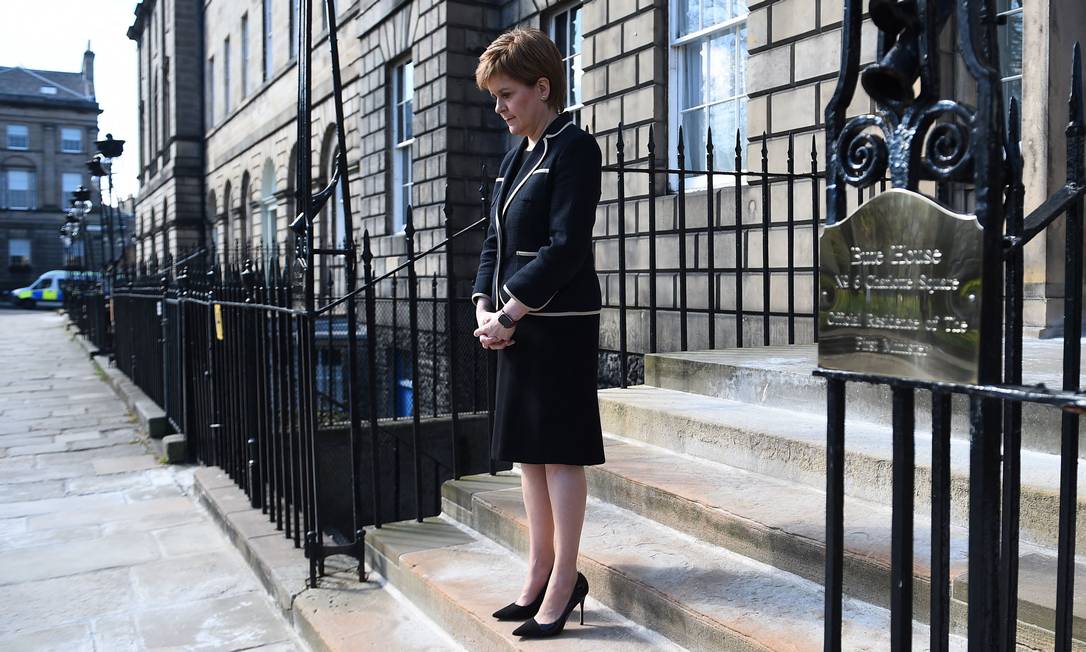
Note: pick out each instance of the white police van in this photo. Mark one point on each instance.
(46, 291)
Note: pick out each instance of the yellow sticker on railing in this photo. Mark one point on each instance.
(218, 323)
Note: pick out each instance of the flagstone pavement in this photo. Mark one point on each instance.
(102, 547)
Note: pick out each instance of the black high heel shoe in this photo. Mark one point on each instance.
(532, 629)
(514, 611)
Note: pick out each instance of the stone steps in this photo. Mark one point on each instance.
(782, 524)
(700, 595)
(458, 579)
(342, 614)
(780, 377)
(790, 445)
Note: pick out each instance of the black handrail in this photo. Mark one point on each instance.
(402, 266)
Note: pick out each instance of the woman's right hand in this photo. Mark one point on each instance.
(483, 317)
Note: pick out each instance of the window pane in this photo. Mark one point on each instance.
(689, 15)
(722, 67)
(741, 61)
(561, 31)
(1010, 46)
(1013, 89)
(694, 137)
(71, 140)
(723, 121)
(718, 11)
(18, 137)
(18, 180)
(407, 115)
(19, 248)
(693, 75)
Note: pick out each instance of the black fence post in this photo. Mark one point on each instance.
(739, 235)
(652, 240)
(371, 368)
(681, 226)
(451, 337)
(413, 329)
(710, 247)
(766, 295)
(1072, 354)
(620, 148)
(815, 223)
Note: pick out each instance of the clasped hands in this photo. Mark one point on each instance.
(492, 335)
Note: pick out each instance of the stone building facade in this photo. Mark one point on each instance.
(219, 92)
(169, 206)
(48, 125)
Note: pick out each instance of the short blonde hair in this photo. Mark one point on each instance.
(526, 55)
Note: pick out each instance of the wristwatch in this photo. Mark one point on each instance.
(506, 321)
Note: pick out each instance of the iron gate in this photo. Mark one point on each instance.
(930, 139)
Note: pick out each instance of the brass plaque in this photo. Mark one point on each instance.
(899, 290)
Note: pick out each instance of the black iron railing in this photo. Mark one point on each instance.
(734, 302)
(943, 142)
(86, 302)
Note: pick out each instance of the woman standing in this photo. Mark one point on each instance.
(537, 302)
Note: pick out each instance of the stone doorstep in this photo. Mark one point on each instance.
(791, 445)
(772, 521)
(697, 594)
(342, 615)
(781, 377)
(458, 579)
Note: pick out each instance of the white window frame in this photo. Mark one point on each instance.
(563, 12)
(676, 84)
(26, 136)
(64, 140)
(400, 151)
(65, 190)
(30, 198)
(244, 55)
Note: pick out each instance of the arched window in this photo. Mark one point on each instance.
(245, 230)
(151, 236)
(334, 215)
(268, 217)
(211, 226)
(227, 224)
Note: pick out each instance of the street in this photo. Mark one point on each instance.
(104, 548)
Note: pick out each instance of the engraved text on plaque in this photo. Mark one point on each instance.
(899, 290)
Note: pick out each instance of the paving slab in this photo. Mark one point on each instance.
(123, 464)
(70, 638)
(229, 623)
(101, 547)
(86, 596)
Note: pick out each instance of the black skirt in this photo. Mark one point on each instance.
(546, 408)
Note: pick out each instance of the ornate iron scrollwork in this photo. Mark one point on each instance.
(913, 136)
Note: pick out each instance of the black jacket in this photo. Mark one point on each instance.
(538, 248)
